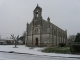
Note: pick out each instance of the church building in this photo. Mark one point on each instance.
(42, 32)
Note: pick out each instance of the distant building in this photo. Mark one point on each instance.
(20, 42)
(6, 41)
(43, 33)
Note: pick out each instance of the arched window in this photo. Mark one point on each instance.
(54, 32)
(58, 34)
(37, 15)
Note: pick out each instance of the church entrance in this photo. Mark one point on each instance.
(36, 41)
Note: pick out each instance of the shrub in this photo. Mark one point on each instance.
(77, 39)
(75, 47)
(62, 44)
(64, 50)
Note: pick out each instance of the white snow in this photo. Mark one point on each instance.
(36, 50)
(5, 58)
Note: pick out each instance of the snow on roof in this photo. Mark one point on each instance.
(6, 39)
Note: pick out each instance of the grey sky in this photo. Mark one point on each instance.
(14, 14)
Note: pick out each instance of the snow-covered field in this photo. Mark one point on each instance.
(13, 56)
(36, 50)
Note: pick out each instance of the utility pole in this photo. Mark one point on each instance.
(0, 36)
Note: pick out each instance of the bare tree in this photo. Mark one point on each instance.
(15, 38)
(24, 33)
(71, 38)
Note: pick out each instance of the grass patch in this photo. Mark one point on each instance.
(63, 50)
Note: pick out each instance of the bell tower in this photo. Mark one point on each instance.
(37, 12)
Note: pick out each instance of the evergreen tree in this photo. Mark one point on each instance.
(77, 39)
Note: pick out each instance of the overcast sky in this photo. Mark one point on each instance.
(14, 14)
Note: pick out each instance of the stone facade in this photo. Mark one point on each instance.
(43, 33)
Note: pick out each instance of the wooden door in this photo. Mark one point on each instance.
(36, 41)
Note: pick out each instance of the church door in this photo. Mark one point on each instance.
(36, 41)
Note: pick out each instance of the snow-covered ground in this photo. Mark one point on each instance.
(36, 50)
(13, 56)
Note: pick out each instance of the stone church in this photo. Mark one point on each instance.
(42, 32)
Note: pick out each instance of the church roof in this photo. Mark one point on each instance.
(51, 24)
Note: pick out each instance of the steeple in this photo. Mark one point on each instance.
(37, 12)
